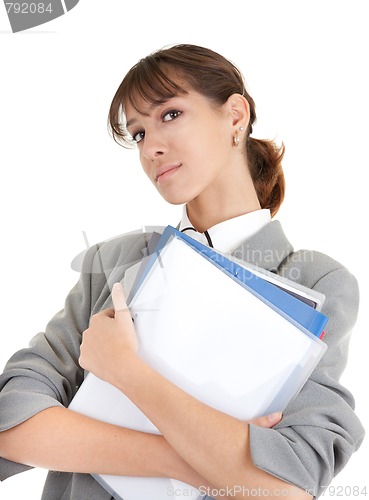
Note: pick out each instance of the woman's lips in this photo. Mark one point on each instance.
(166, 171)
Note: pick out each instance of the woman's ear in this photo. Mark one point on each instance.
(239, 110)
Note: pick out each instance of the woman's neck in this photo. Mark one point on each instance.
(205, 214)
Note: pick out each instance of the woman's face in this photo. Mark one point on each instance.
(185, 146)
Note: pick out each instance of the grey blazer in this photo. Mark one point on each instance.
(319, 430)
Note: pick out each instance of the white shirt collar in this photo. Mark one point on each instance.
(228, 235)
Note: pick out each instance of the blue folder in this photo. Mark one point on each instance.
(297, 311)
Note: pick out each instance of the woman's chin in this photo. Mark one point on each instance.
(175, 198)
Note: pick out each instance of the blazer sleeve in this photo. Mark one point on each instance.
(47, 373)
(319, 430)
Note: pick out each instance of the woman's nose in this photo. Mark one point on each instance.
(153, 146)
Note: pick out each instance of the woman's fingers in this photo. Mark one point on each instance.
(267, 420)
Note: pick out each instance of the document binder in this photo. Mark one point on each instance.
(215, 337)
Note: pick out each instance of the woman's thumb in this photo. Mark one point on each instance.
(119, 299)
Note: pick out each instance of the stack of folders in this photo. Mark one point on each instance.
(242, 341)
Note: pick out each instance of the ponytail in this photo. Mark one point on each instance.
(265, 164)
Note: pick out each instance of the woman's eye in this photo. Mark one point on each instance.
(138, 136)
(171, 115)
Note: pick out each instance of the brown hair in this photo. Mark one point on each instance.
(156, 78)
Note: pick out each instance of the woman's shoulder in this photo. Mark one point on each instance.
(309, 267)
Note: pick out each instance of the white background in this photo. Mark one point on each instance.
(62, 176)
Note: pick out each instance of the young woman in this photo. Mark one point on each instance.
(191, 117)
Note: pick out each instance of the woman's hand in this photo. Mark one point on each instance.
(109, 339)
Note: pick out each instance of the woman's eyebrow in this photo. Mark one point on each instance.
(130, 122)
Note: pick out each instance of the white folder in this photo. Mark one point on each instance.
(212, 338)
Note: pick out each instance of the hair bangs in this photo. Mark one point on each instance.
(149, 84)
